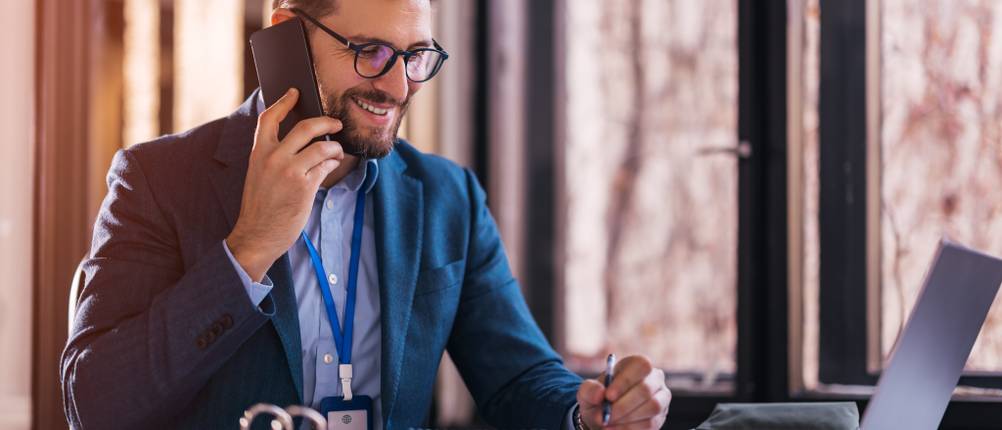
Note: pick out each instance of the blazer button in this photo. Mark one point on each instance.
(227, 321)
(201, 343)
(210, 337)
(217, 329)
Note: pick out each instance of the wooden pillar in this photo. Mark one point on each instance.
(61, 233)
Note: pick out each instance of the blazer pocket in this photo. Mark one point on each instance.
(439, 278)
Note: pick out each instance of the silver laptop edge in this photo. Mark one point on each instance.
(929, 356)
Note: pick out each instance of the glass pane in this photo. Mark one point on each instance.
(650, 208)
(941, 82)
(141, 71)
(208, 60)
(810, 76)
(18, 151)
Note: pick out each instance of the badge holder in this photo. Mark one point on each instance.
(353, 414)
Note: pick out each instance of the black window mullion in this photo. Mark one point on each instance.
(842, 204)
(762, 226)
(539, 259)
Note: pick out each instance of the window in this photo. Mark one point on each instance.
(940, 158)
(650, 213)
(898, 146)
(17, 146)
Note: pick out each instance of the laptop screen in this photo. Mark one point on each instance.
(929, 356)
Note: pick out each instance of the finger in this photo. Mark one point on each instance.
(654, 406)
(317, 173)
(267, 123)
(644, 424)
(630, 371)
(592, 418)
(317, 153)
(591, 394)
(306, 130)
(638, 395)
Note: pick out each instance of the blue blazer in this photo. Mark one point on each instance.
(165, 336)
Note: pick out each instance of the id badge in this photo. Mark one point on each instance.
(355, 414)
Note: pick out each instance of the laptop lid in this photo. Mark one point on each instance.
(930, 353)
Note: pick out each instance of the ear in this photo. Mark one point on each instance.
(280, 15)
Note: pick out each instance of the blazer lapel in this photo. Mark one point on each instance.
(233, 153)
(398, 214)
(286, 318)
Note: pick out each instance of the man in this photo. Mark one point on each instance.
(230, 268)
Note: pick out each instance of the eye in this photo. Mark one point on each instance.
(371, 51)
(423, 56)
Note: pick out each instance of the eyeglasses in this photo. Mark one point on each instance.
(375, 59)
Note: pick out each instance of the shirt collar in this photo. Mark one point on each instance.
(368, 174)
(363, 177)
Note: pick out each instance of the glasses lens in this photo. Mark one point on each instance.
(371, 60)
(423, 64)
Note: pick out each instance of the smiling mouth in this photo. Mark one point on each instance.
(370, 108)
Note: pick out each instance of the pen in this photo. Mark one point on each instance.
(610, 362)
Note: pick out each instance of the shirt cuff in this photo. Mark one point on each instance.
(569, 421)
(256, 291)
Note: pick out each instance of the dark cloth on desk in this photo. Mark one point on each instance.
(783, 416)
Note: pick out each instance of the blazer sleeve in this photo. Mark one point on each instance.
(519, 381)
(148, 333)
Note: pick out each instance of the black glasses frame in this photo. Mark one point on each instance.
(359, 47)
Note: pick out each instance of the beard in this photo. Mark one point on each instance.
(363, 142)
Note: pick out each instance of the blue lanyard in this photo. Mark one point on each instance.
(342, 341)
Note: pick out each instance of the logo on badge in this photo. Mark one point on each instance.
(346, 419)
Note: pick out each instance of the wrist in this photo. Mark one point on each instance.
(251, 261)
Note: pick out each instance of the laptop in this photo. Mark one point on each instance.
(925, 365)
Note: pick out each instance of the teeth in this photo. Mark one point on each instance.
(370, 108)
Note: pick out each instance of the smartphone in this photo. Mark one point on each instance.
(282, 60)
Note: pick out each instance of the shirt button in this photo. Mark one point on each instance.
(332, 278)
(330, 204)
(328, 359)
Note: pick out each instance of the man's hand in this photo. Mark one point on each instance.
(282, 181)
(638, 394)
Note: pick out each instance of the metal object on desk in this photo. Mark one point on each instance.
(282, 417)
(314, 417)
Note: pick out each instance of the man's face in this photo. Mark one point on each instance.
(405, 24)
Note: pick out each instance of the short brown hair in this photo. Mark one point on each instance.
(317, 8)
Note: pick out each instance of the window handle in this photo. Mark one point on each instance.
(742, 150)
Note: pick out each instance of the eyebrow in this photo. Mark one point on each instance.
(359, 39)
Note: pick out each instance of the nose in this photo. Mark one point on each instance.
(394, 83)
